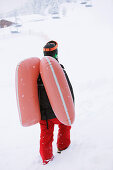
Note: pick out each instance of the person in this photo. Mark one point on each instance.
(48, 118)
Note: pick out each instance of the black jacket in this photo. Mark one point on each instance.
(45, 107)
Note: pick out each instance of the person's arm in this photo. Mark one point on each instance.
(69, 83)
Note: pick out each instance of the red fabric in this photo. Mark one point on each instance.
(46, 138)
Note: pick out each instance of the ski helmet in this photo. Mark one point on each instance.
(50, 49)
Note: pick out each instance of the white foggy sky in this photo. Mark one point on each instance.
(7, 5)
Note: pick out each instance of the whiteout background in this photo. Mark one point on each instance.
(85, 38)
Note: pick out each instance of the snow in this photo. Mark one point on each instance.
(7, 6)
(85, 39)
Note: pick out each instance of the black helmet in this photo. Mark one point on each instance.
(50, 49)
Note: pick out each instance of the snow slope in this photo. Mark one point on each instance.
(85, 39)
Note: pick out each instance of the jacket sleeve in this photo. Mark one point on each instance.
(69, 83)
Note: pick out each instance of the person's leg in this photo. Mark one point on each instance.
(63, 140)
(46, 139)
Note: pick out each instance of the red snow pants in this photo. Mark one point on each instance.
(46, 138)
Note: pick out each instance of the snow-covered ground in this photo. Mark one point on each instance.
(85, 38)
